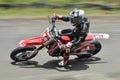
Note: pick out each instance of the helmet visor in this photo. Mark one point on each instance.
(76, 20)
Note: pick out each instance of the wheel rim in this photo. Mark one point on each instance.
(24, 55)
(91, 48)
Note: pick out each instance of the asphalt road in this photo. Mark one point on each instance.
(103, 66)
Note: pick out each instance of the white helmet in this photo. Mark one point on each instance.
(76, 16)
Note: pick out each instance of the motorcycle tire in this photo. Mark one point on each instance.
(20, 53)
(98, 47)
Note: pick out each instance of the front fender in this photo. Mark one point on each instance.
(31, 41)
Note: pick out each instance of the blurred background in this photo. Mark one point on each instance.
(104, 66)
(43, 8)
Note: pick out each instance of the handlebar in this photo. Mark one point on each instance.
(53, 30)
(52, 20)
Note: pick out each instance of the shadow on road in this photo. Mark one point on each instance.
(73, 64)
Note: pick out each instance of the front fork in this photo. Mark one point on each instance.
(37, 49)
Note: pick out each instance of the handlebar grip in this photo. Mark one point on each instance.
(53, 19)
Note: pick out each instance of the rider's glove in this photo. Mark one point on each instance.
(57, 16)
(69, 45)
(63, 47)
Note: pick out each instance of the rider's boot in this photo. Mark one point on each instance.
(64, 61)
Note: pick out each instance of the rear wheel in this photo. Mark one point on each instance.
(96, 47)
(23, 53)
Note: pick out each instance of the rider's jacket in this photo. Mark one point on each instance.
(78, 33)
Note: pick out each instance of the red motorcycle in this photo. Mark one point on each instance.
(51, 40)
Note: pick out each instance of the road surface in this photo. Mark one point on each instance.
(103, 66)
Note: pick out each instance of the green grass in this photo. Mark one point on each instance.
(31, 11)
(65, 1)
(44, 12)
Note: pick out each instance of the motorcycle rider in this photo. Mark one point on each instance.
(78, 33)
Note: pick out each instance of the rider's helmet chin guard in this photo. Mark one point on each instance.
(76, 16)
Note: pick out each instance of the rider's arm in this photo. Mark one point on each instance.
(63, 18)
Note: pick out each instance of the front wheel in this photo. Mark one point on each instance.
(96, 47)
(23, 53)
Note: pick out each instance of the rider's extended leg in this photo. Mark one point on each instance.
(65, 32)
(64, 61)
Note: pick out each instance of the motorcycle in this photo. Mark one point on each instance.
(52, 40)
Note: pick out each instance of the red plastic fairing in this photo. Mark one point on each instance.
(65, 39)
(89, 37)
(31, 41)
